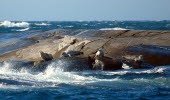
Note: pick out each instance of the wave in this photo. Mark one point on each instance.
(13, 24)
(53, 76)
(116, 28)
(158, 69)
(42, 24)
(25, 29)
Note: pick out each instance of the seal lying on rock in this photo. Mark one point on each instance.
(98, 63)
(71, 53)
(134, 61)
(100, 53)
(45, 57)
(134, 57)
(105, 63)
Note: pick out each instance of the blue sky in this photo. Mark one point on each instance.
(73, 10)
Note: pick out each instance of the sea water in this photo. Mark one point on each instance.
(53, 83)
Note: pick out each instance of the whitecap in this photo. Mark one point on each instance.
(116, 28)
(13, 24)
(25, 29)
(42, 24)
(69, 26)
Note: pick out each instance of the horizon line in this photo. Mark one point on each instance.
(83, 20)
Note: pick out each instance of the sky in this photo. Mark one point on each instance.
(84, 10)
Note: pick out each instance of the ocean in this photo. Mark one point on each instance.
(55, 84)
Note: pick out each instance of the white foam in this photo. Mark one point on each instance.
(54, 75)
(158, 69)
(42, 24)
(125, 66)
(116, 28)
(13, 24)
(69, 26)
(25, 29)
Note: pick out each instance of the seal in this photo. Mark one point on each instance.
(46, 56)
(134, 61)
(98, 63)
(134, 57)
(72, 53)
(100, 53)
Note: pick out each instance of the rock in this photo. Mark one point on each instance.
(111, 64)
(115, 45)
(106, 63)
(152, 54)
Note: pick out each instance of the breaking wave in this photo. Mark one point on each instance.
(54, 75)
(14, 24)
(42, 24)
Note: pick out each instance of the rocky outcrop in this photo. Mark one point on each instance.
(115, 45)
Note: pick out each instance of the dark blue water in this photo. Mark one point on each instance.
(54, 84)
(142, 84)
(16, 26)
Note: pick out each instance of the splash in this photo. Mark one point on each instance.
(13, 24)
(54, 75)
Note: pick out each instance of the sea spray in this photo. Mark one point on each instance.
(13, 24)
(53, 82)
